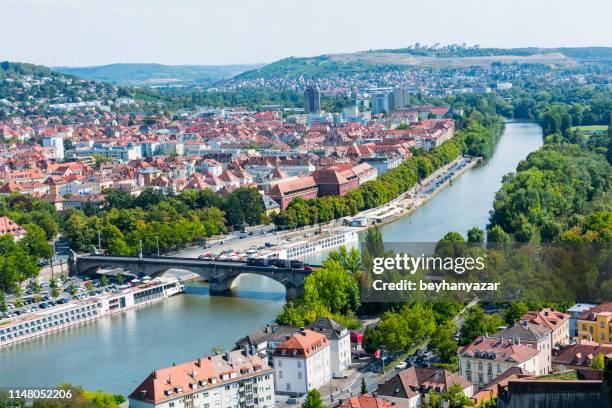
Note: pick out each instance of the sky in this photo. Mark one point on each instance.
(98, 32)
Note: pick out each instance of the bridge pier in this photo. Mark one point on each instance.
(221, 287)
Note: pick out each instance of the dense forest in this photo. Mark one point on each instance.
(561, 192)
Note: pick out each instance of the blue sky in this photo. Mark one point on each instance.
(96, 32)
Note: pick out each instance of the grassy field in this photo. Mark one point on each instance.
(592, 128)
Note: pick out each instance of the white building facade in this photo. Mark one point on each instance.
(302, 363)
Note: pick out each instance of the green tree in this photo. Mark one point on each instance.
(453, 397)
(350, 260)
(3, 305)
(313, 400)
(35, 242)
(233, 211)
(117, 198)
(497, 235)
(476, 235)
(598, 361)
(514, 311)
(477, 323)
(332, 287)
(34, 286)
(150, 197)
(79, 231)
(251, 204)
(104, 280)
(443, 342)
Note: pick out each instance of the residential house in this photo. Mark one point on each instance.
(488, 357)
(532, 335)
(267, 339)
(557, 322)
(574, 312)
(409, 387)
(579, 355)
(365, 401)
(339, 340)
(8, 226)
(302, 363)
(596, 324)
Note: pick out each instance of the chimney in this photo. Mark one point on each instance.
(199, 363)
(227, 357)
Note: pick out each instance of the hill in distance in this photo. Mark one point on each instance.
(434, 56)
(156, 74)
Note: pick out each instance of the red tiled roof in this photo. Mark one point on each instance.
(302, 344)
(365, 401)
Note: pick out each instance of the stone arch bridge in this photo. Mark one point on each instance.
(220, 275)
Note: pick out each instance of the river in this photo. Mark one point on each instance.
(115, 353)
(467, 202)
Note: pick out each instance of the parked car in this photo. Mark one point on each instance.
(402, 365)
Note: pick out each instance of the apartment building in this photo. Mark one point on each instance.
(532, 335)
(302, 363)
(596, 324)
(340, 343)
(557, 322)
(488, 357)
(574, 312)
(237, 379)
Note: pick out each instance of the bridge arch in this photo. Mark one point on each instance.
(220, 275)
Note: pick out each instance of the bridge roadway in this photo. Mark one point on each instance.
(220, 275)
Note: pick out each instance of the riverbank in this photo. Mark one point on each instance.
(467, 201)
(413, 199)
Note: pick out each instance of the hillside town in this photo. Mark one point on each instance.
(69, 160)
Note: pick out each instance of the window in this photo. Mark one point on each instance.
(280, 374)
(299, 375)
(288, 386)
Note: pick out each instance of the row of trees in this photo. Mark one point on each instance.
(242, 205)
(158, 220)
(20, 260)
